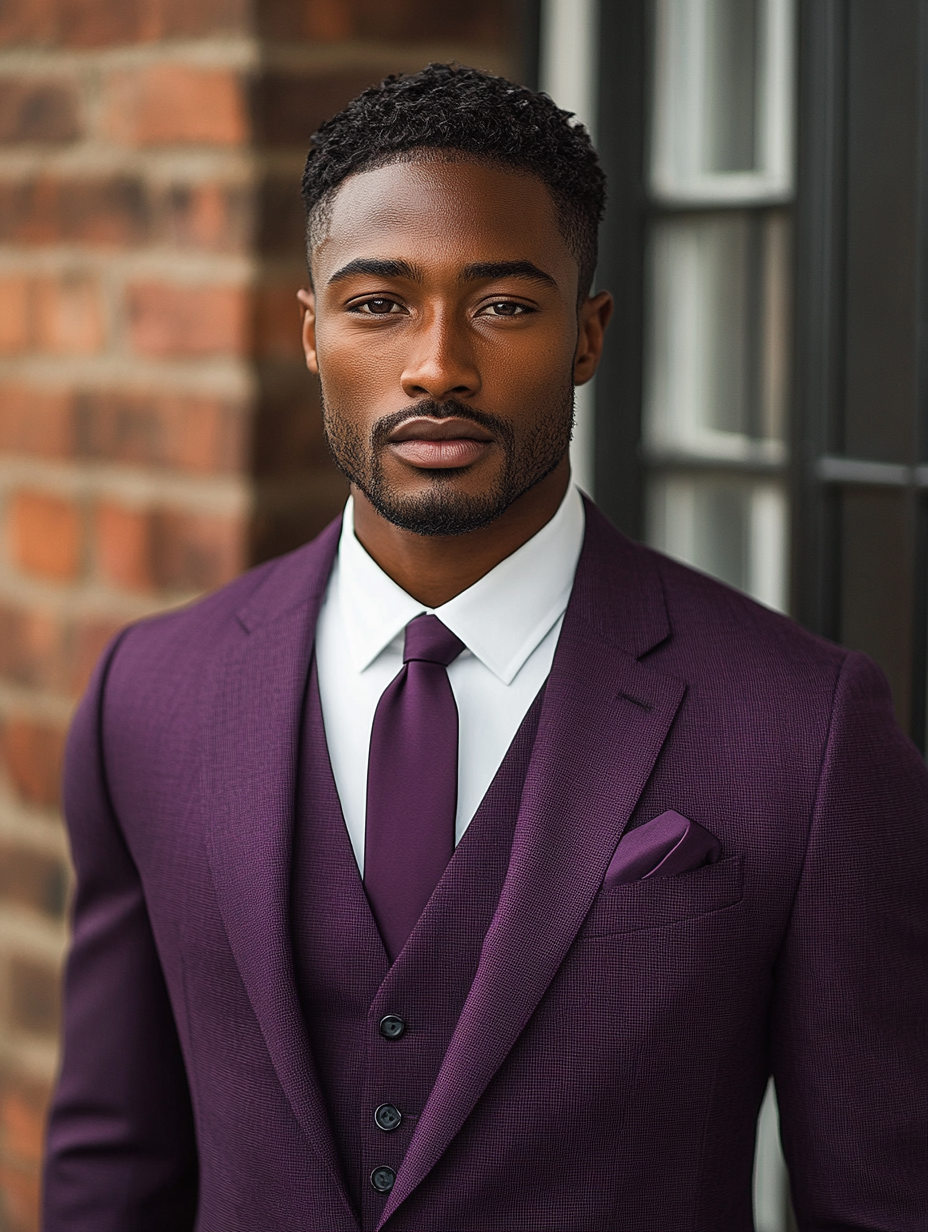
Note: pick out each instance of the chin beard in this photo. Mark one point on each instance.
(442, 511)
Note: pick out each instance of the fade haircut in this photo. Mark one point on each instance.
(448, 110)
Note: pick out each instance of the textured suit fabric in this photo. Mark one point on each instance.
(345, 981)
(608, 1063)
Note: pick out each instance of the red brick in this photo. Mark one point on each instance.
(35, 422)
(33, 879)
(123, 546)
(166, 549)
(173, 320)
(35, 996)
(277, 322)
(23, 1105)
(15, 314)
(192, 551)
(20, 1198)
(287, 437)
(69, 314)
(212, 217)
(46, 535)
(30, 648)
(37, 650)
(280, 525)
(184, 432)
(63, 315)
(288, 107)
(181, 18)
(33, 753)
(108, 210)
(122, 211)
(26, 21)
(83, 643)
(480, 21)
(280, 223)
(175, 104)
(325, 20)
(100, 23)
(38, 111)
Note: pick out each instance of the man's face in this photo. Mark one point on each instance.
(445, 333)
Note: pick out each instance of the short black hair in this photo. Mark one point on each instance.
(485, 118)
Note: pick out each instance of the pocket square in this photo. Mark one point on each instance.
(666, 845)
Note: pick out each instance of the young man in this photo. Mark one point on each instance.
(471, 868)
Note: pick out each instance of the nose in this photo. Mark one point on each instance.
(441, 362)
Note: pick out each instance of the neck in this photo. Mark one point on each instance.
(435, 568)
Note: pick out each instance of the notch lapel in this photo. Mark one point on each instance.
(604, 721)
(251, 723)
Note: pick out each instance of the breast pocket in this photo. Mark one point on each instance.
(657, 902)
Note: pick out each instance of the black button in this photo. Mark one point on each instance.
(383, 1179)
(387, 1117)
(392, 1027)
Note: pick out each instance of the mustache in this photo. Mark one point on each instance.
(449, 409)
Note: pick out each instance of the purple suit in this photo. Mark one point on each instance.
(605, 1065)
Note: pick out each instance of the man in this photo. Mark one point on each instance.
(473, 867)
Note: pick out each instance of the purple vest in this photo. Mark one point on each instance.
(344, 978)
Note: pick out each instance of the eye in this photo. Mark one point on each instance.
(504, 308)
(376, 307)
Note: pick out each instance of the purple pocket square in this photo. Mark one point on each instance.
(667, 845)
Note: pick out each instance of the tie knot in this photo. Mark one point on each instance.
(428, 640)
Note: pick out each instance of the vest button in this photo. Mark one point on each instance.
(387, 1117)
(392, 1027)
(383, 1179)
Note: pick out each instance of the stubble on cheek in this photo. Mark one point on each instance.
(347, 445)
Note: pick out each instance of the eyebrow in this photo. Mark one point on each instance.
(379, 268)
(507, 269)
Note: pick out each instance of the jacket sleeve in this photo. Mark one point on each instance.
(121, 1151)
(850, 1025)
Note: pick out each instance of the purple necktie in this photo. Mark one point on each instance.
(412, 783)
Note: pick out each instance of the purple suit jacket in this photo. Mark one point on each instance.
(609, 1062)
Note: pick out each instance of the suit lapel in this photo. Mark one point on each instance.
(251, 726)
(604, 720)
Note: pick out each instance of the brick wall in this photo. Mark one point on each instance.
(158, 431)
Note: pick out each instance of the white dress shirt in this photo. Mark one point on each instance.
(509, 621)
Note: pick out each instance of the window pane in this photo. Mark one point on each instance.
(723, 100)
(699, 333)
(717, 340)
(732, 527)
(729, 121)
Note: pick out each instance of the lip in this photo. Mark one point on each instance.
(441, 455)
(440, 444)
(425, 428)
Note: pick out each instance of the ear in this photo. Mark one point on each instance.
(593, 318)
(308, 300)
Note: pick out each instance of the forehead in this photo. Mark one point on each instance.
(433, 209)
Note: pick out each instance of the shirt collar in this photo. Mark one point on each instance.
(501, 619)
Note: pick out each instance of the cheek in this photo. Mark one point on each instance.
(526, 384)
(530, 360)
(353, 368)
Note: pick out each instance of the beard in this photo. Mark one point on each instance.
(441, 510)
